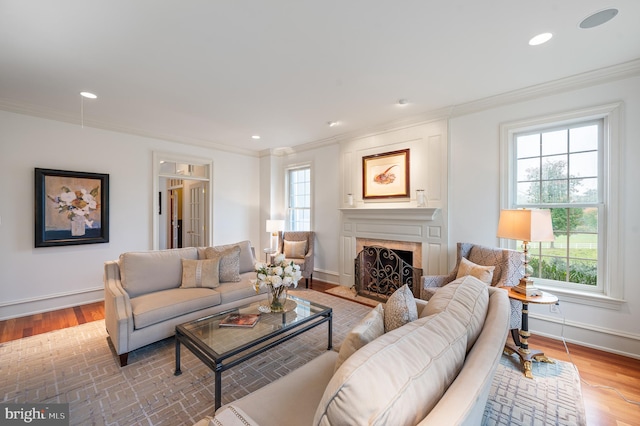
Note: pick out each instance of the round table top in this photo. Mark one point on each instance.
(544, 299)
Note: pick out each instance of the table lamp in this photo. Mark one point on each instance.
(526, 225)
(273, 227)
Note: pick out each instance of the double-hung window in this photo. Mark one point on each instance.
(299, 198)
(564, 163)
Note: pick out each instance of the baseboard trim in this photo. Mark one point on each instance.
(52, 302)
(595, 337)
(330, 277)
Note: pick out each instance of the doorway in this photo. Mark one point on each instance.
(183, 200)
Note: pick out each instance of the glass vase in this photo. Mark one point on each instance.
(277, 298)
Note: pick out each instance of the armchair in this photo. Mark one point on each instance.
(507, 273)
(290, 244)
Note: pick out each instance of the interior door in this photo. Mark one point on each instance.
(196, 215)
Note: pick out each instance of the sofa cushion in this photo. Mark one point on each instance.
(200, 273)
(415, 363)
(247, 259)
(295, 249)
(400, 309)
(229, 262)
(468, 299)
(153, 308)
(483, 273)
(149, 271)
(367, 330)
(230, 292)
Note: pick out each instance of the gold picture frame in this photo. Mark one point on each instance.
(386, 175)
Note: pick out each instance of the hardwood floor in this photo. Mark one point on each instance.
(598, 369)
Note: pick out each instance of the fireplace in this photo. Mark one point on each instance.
(379, 271)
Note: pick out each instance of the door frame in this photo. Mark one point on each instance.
(158, 159)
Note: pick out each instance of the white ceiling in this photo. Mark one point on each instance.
(213, 72)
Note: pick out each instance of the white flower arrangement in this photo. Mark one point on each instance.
(279, 275)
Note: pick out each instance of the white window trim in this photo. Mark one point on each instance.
(612, 293)
(297, 166)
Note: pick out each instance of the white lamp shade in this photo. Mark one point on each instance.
(529, 225)
(273, 226)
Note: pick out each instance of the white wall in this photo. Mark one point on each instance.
(474, 206)
(41, 279)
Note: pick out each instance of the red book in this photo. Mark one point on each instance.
(240, 320)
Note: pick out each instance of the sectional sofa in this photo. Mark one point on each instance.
(435, 370)
(148, 293)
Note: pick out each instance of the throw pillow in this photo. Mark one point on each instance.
(200, 273)
(483, 273)
(229, 263)
(295, 249)
(367, 330)
(400, 309)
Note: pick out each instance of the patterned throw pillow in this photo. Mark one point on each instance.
(367, 330)
(200, 273)
(295, 249)
(229, 263)
(483, 273)
(400, 309)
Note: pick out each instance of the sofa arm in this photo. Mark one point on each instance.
(117, 308)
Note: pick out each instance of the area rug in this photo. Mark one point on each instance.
(350, 294)
(77, 366)
(552, 397)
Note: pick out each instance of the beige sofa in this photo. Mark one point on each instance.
(436, 370)
(144, 300)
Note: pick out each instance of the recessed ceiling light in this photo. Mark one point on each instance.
(540, 38)
(255, 137)
(88, 95)
(402, 102)
(598, 18)
(332, 123)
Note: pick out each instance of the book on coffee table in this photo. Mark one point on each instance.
(240, 320)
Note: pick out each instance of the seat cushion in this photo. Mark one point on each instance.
(415, 364)
(150, 271)
(230, 292)
(468, 299)
(153, 308)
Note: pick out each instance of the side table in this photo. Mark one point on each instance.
(521, 347)
(267, 254)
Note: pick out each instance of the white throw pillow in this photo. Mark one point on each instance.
(483, 273)
(367, 330)
(400, 309)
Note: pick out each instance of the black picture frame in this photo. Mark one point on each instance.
(71, 208)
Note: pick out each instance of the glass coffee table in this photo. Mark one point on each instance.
(221, 348)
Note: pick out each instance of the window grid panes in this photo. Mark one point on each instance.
(299, 195)
(559, 169)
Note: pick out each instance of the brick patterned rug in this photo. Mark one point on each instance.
(77, 365)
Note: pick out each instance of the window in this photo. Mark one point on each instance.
(299, 199)
(569, 163)
(560, 169)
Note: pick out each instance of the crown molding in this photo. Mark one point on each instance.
(574, 82)
(52, 114)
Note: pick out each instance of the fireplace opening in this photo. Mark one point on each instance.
(379, 271)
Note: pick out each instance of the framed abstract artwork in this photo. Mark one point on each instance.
(71, 208)
(386, 175)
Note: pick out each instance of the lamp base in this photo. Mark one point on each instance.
(526, 287)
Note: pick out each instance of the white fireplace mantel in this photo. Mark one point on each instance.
(416, 213)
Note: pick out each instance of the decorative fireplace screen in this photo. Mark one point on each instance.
(380, 271)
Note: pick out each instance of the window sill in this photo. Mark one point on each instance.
(584, 298)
